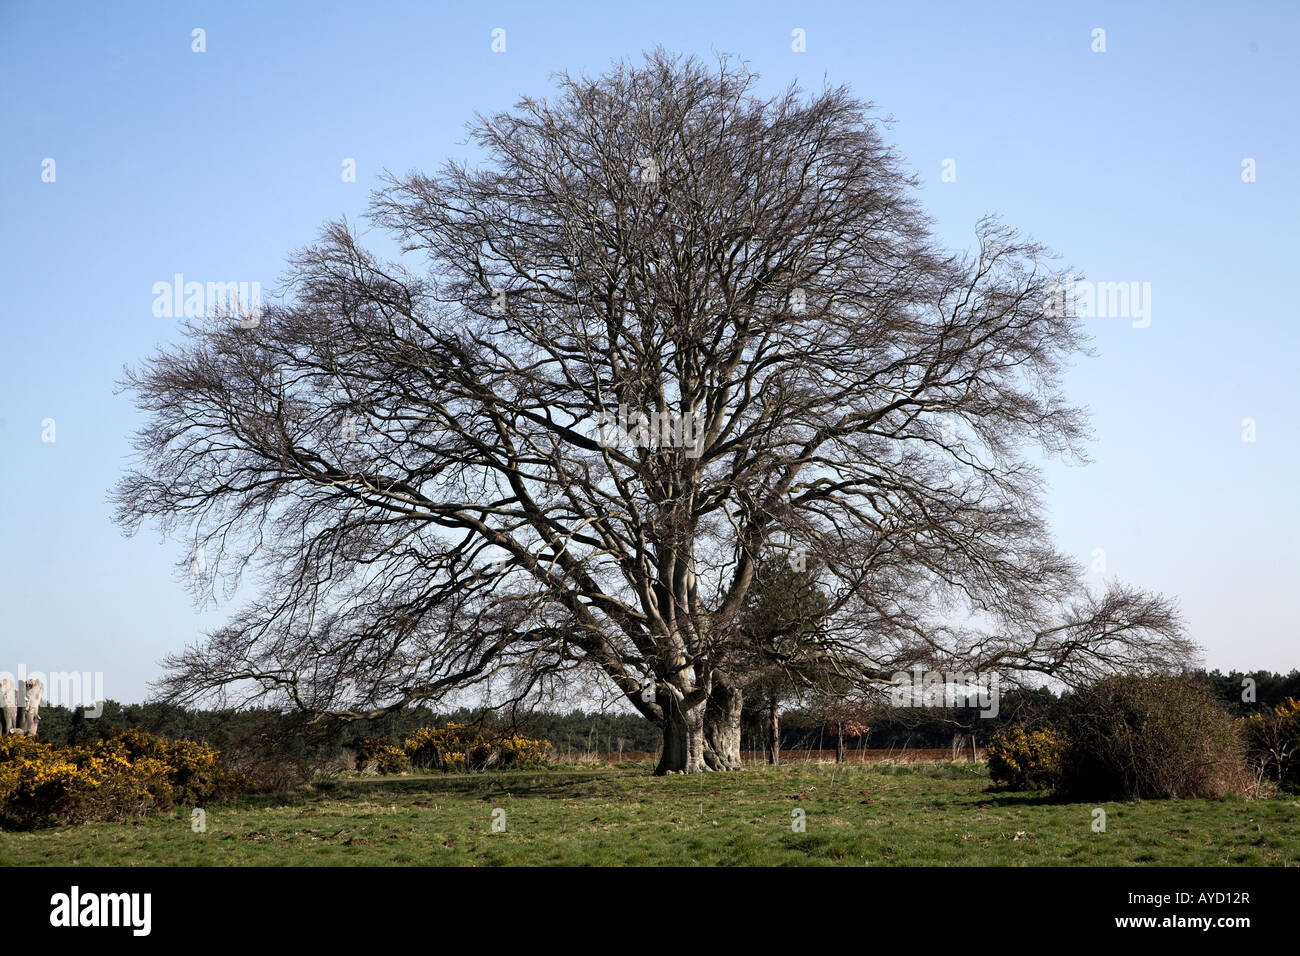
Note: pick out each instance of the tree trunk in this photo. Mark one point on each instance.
(683, 732)
(31, 715)
(20, 706)
(722, 726)
(839, 743)
(773, 731)
(8, 706)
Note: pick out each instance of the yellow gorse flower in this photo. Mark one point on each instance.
(120, 776)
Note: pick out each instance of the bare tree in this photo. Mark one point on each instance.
(666, 329)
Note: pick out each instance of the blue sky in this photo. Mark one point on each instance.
(218, 164)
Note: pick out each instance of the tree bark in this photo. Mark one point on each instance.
(722, 726)
(839, 743)
(20, 706)
(8, 706)
(774, 732)
(683, 727)
(30, 719)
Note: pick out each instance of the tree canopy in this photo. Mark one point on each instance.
(666, 329)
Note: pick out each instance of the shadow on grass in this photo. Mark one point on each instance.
(1011, 798)
(543, 784)
(820, 847)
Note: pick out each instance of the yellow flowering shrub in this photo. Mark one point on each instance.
(53, 785)
(454, 762)
(1024, 760)
(116, 778)
(518, 750)
(193, 769)
(457, 747)
(17, 746)
(390, 757)
(1273, 741)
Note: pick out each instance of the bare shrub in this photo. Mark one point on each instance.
(1158, 736)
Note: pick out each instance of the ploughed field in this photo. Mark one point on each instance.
(865, 813)
(909, 755)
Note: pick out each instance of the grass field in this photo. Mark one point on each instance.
(893, 814)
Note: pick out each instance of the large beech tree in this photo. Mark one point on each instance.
(418, 459)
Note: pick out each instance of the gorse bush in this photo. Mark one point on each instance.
(385, 753)
(41, 788)
(1138, 737)
(520, 751)
(1025, 760)
(1273, 742)
(194, 770)
(116, 778)
(430, 747)
(455, 747)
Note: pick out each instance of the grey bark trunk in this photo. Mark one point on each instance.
(31, 716)
(722, 727)
(683, 734)
(8, 706)
(20, 707)
(839, 743)
(773, 732)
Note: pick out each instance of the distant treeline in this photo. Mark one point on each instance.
(573, 732)
(935, 727)
(576, 732)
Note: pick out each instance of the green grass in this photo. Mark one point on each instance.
(935, 814)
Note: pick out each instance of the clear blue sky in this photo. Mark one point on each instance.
(216, 165)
